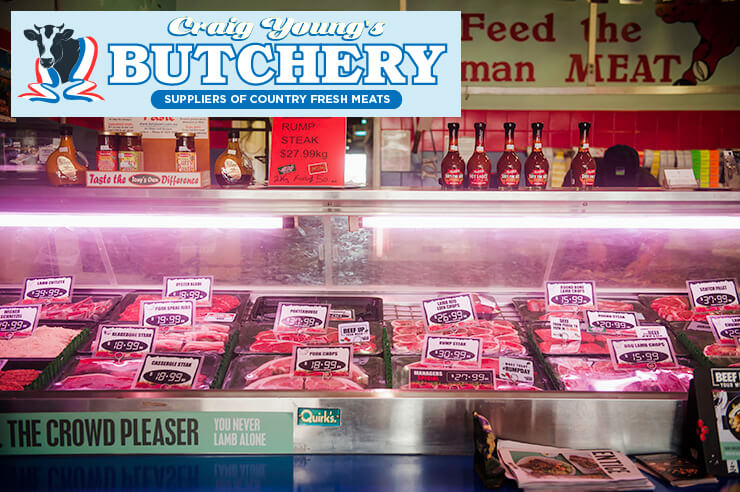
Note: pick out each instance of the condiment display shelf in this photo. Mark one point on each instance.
(396, 201)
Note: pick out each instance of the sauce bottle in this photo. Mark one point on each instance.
(509, 168)
(536, 167)
(233, 167)
(106, 152)
(130, 152)
(185, 158)
(479, 165)
(62, 167)
(453, 167)
(583, 166)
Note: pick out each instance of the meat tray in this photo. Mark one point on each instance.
(259, 338)
(368, 372)
(400, 370)
(49, 341)
(365, 308)
(243, 297)
(21, 374)
(533, 308)
(703, 346)
(89, 373)
(86, 305)
(677, 308)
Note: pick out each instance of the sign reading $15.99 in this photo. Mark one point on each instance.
(579, 295)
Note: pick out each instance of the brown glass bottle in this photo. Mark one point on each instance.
(453, 167)
(583, 166)
(233, 167)
(479, 165)
(536, 167)
(509, 167)
(62, 167)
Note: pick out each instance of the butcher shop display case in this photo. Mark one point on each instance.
(373, 256)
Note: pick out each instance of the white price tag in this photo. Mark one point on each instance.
(445, 310)
(600, 321)
(453, 350)
(726, 328)
(220, 317)
(699, 326)
(167, 313)
(565, 328)
(354, 332)
(19, 320)
(333, 360)
(710, 293)
(515, 369)
(198, 289)
(580, 295)
(342, 315)
(121, 341)
(679, 178)
(651, 331)
(48, 289)
(635, 353)
(168, 371)
(301, 317)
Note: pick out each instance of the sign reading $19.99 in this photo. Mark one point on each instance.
(167, 313)
(21, 319)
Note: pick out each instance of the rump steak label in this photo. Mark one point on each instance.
(19, 320)
(726, 328)
(515, 369)
(445, 310)
(599, 321)
(292, 317)
(636, 353)
(199, 289)
(331, 360)
(167, 313)
(170, 371)
(565, 328)
(48, 289)
(122, 341)
(452, 350)
(711, 293)
(580, 295)
(354, 332)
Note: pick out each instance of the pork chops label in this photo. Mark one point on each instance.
(236, 64)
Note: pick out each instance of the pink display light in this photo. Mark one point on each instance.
(583, 221)
(139, 221)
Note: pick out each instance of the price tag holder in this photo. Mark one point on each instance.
(449, 378)
(579, 295)
(123, 341)
(2, 363)
(19, 320)
(565, 328)
(452, 350)
(198, 289)
(712, 293)
(726, 328)
(354, 332)
(48, 289)
(342, 315)
(327, 360)
(699, 326)
(301, 317)
(516, 369)
(600, 321)
(220, 317)
(679, 178)
(651, 331)
(168, 371)
(446, 310)
(167, 313)
(637, 353)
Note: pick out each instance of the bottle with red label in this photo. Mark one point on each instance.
(453, 167)
(479, 165)
(583, 166)
(536, 167)
(106, 152)
(509, 167)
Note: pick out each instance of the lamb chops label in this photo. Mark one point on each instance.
(638, 353)
(342, 315)
(651, 331)
(19, 320)
(452, 350)
(48, 289)
(579, 295)
(445, 310)
(600, 321)
(354, 332)
(711, 293)
(167, 313)
(517, 370)
(726, 329)
(171, 371)
(565, 328)
(432, 377)
(199, 289)
(326, 360)
(291, 317)
(122, 341)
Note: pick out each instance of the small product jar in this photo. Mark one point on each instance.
(185, 159)
(106, 152)
(130, 152)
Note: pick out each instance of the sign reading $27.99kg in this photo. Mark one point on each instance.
(167, 313)
(579, 295)
(170, 371)
(20, 319)
(445, 310)
(334, 360)
(48, 289)
(199, 289)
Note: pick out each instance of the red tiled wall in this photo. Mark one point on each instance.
(669, 130)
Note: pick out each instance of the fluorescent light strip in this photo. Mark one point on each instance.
(616, 221)
(139, 221)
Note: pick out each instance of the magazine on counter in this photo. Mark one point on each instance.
(543, 467)
(679, 471)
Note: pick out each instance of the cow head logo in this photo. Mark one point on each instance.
(64, 65)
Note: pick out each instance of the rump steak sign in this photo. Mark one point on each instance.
(236, 63)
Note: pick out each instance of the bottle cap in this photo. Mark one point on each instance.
(65, 130)
(453, 126)
(538, 125)
(584, 125)
(509, 125)
(233, 133)
(479, 124)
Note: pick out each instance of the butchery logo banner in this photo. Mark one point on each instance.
(236, 63)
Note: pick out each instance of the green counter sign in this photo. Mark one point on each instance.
(324, 417)
(146, 433)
